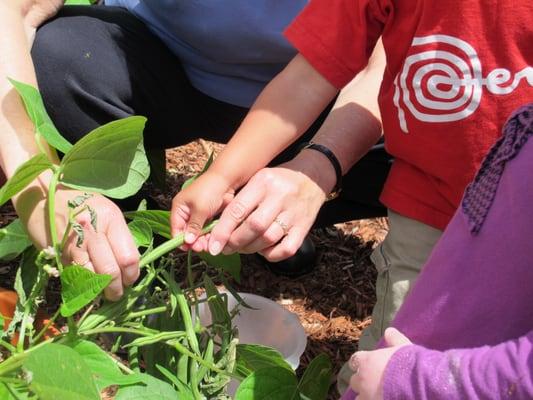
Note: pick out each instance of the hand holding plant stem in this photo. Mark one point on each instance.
(107, 247)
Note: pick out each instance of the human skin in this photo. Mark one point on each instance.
(110, 249)
(292, 192)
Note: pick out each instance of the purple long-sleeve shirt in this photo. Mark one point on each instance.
(475, 294)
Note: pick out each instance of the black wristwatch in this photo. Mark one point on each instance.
(334, 161)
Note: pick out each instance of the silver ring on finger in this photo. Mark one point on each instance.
(283, 226)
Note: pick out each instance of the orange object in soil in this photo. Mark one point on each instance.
(8, 302)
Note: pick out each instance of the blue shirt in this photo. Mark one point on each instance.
(230, 49)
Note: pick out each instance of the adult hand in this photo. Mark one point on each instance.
(369, 366)
(195, 205)
(109, 249)
(273, 212)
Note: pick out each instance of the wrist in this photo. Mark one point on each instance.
(333, 165)
(317, 167)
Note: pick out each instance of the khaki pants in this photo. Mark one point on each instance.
(398, 260)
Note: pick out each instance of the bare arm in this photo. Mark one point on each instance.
(295, 191)
(110, 249)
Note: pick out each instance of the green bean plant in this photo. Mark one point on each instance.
(150, 344)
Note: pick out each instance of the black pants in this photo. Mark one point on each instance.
(97, 64)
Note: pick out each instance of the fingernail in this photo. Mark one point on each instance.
(131, 273)
(190, 237)
(215, 248)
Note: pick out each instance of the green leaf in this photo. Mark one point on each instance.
(110, 160)
(217, 306)
(159, 220)
(6, 395)
(269, 384)
(79, 287)
(13, 240)
(29, 270)
(184, 391)
(78, 200)
(78, 230)
(24, 174)
(37, 112)
(143, 205)
(58, 372)
(78, 2)
(151, 389)
(254, 357)
(230, 263)
(103, 368)
(141, 232)
(317, 378)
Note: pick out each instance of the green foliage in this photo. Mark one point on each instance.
(158, 220)
(150, 389)
(316, 379)
(78, 2)
(24, 174)
(102, 367)
(141, 232)
(79, 287)
(269, 384)
(181, 359)
(230, 263)
(254, 357)
(36, 111)
(13, 240)
(110, 160)
(59, 372)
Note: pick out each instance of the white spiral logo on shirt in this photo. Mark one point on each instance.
(444, 83)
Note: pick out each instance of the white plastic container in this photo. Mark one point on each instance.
(269, 324)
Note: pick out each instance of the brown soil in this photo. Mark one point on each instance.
(333, 302)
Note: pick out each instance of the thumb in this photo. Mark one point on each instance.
(188, 220)
(393, 337)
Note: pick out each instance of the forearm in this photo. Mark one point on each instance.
(283, 111)
(481, 373)
(17, 141)
(352, 127)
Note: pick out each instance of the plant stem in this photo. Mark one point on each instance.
(8, 346)
(24, 322)
(52, 216)
(116, 329)
(12, 392)
(133, 357)
(183, 350)
(191, 282)
(170, 245)
(150, 311)
(7, 379)
(45, 328)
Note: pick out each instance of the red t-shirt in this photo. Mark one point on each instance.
(455, 71)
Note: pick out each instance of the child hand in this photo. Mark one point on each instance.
(195, 205)
(369, 366)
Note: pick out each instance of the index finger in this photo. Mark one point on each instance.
(232, 216)
(125, 251)
(104, 262)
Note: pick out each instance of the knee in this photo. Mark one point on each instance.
(52, 53)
